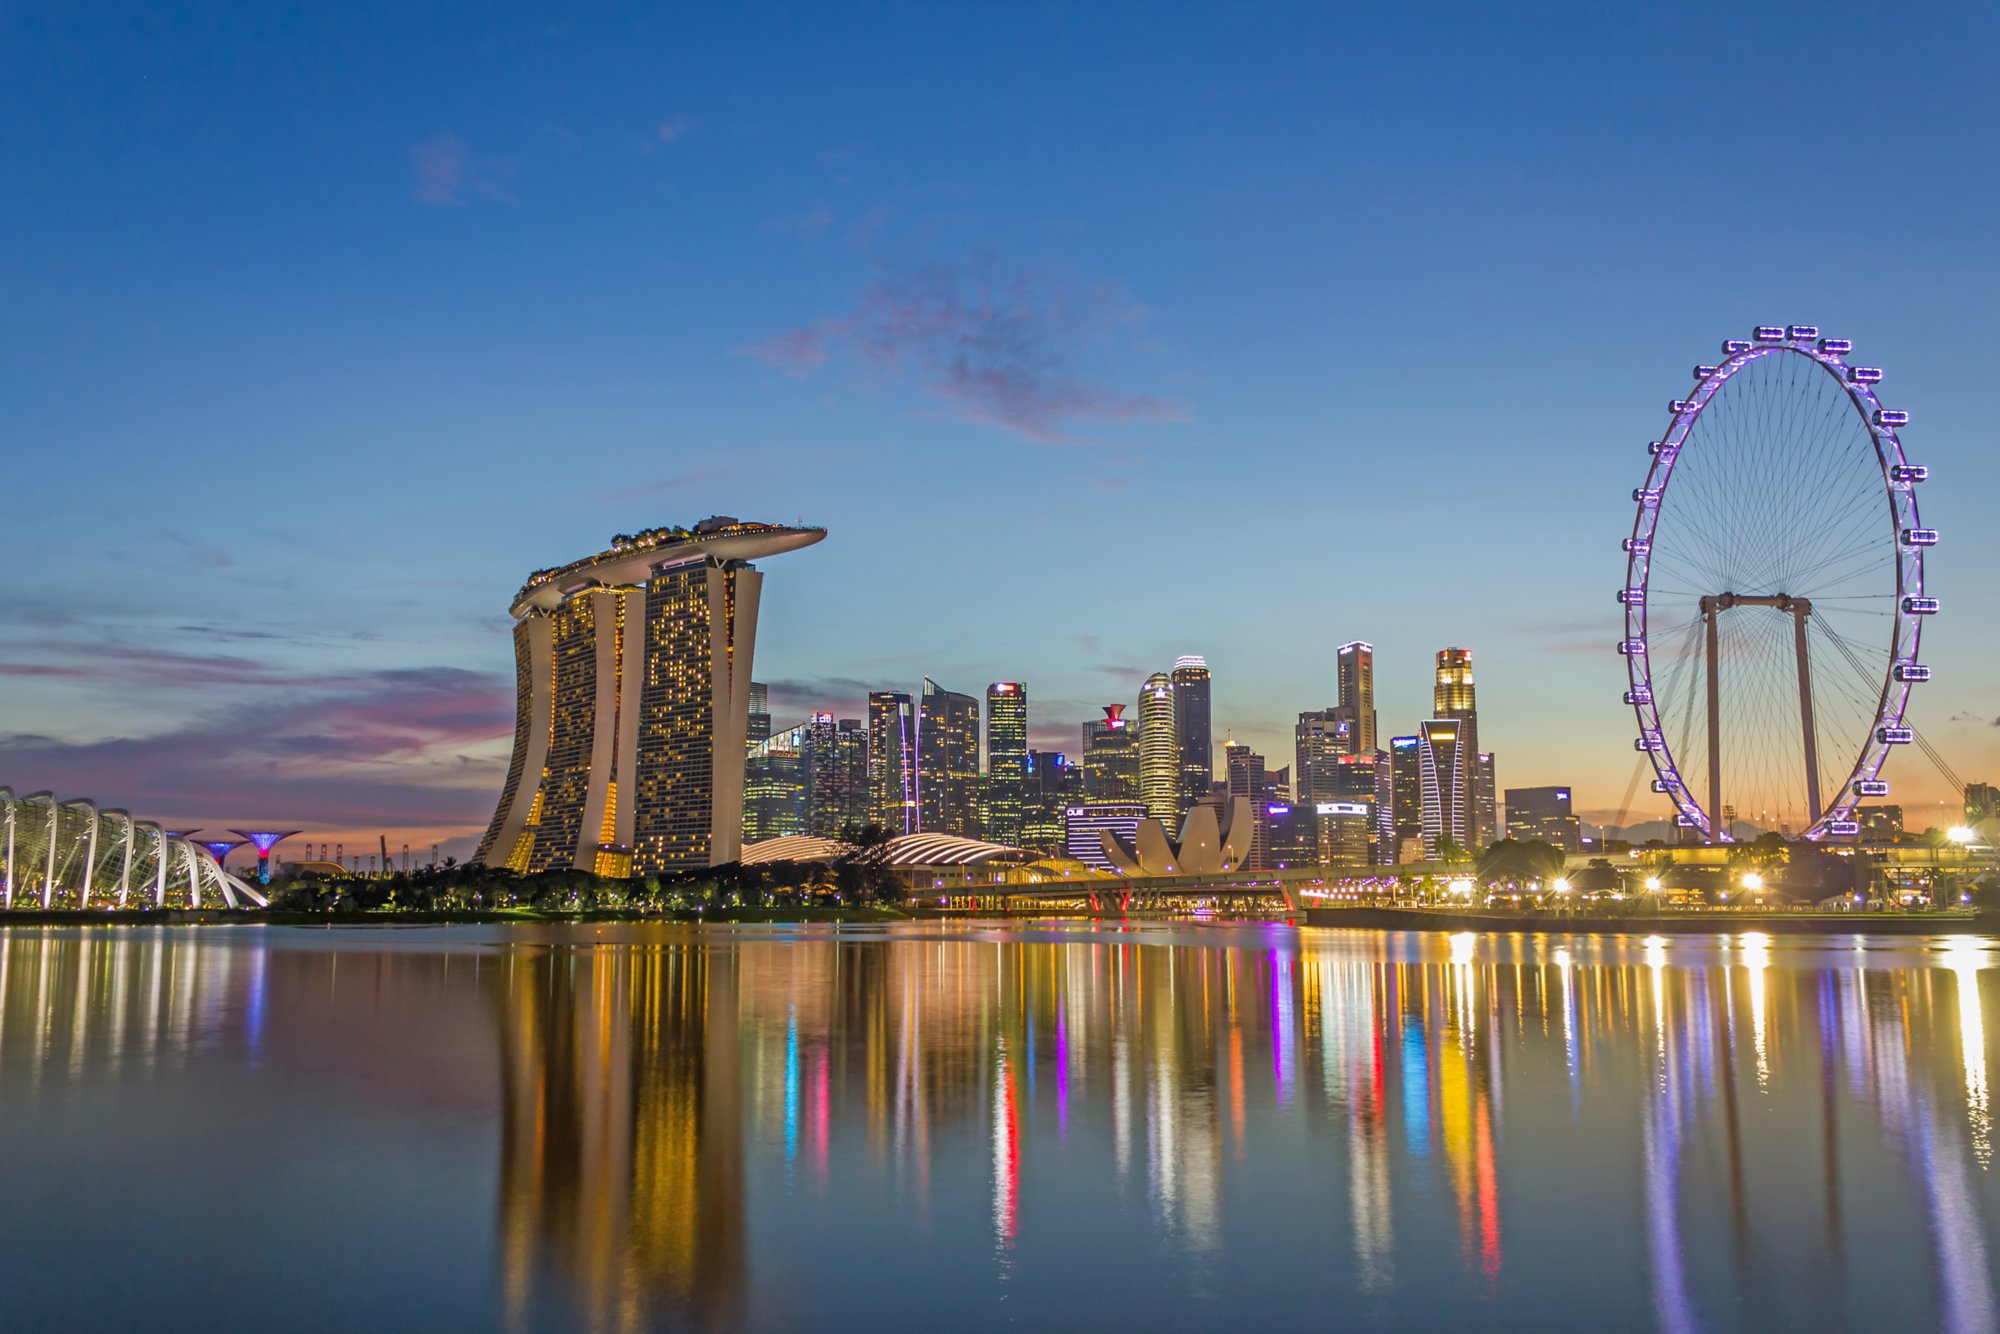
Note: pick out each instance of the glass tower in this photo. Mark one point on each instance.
(1006, 761)
(947, 762)
(1159, 751)
(1197, 734)
(892, 761)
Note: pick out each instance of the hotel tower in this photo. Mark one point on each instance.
(632, 671)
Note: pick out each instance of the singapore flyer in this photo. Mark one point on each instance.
(1774, 590)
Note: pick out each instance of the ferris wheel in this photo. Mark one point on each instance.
(1774, 590)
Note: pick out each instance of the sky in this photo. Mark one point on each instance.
(1094, 335)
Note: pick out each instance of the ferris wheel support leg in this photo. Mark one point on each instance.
(1799, 613)
(1715, 830)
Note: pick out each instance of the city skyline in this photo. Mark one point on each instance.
(883, 311)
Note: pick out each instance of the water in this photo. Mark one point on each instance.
(1058, 1126)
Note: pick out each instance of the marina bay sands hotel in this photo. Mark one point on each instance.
(632, 672)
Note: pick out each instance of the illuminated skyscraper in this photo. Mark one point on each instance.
(1357, 693)
(892, 761)
(1453, 697)
(947, 762)
(1159, 751)
(1543, 814)
(1111, 758)
(1406, 791)
(760, 713)
(631, 728)
(1006, 761)
(1320, 739)
(1054, 785)
(1442, 773)
(839, 775)
(1197, 733)
(1249, 780)
(777, 776)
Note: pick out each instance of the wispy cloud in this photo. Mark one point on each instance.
(1007, 348)
(385, 749)
(447, 175)
(673, 131)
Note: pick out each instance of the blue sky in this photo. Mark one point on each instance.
(1094, 335)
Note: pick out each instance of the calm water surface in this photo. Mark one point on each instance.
(943, 1127)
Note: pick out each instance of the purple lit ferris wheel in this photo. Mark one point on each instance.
(1774, 590)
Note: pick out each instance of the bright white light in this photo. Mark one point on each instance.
(1751, 880)
(1959, 833)
(1462, 945)
(1652, 884)
(1461, 886)
(1560, 885)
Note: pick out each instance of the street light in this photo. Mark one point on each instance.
(1962, 835)
(1652, 884)
(1752, 881)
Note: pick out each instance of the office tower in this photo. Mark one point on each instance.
(1485, 806)
(1406, 789)
(1291, 834)
(1160, 773)
(1247, 778)
(1111, 758)
(1453, 698)
(1543, 815)
(1191, 720)
(892, 761)
(632, 669)
(947, 762)
(1053, 785)
(1006, 792)
(1982, 802)
(1321, 737)
(1357, 693)
(777, 784)
(1081, 825)
(1364, 781)
(838, 771)
(1442, 774)
(759, 727)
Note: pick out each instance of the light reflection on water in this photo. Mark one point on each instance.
(629, 1127)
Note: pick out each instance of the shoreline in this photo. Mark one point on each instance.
(1664, 924)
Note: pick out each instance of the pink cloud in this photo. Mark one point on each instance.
(1005, 349)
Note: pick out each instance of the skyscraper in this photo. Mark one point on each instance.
(1320, 739)
(1453, 697)
(947, 762)
(1192, 721)
(1006, 761)
(1054, 785)
(1357, 693)
(1159, 751)
(1111, 758)
(839, 775)
(632, 669)
(777, 777)
(1442, 773)
(1406, 791)
(892, 761)
(1248, 779)
(1543, 814)
(759, 728)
